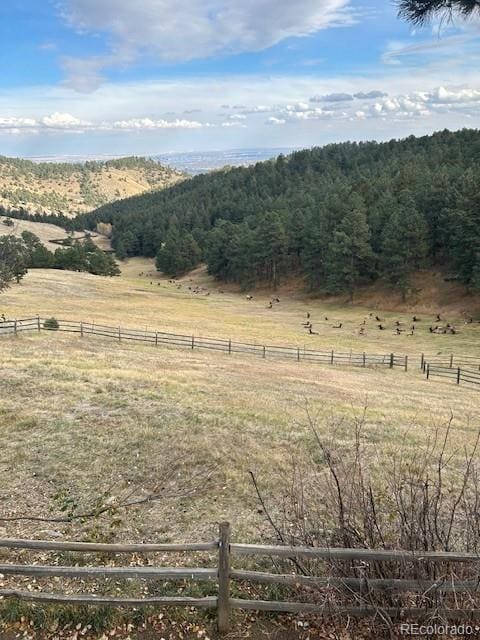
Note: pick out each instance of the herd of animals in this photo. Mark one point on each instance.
(438, 326)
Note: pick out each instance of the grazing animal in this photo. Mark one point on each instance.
(338, 326)
(398, 323)
(378, 319)
(311, 332)
(308, 315)
(438, 318)
(276, 299)
(415, 319)
(307, 324)
(362, 331)
(249, 297)
(326, 318)
(381, 327)
(3, 318)
(270, 305)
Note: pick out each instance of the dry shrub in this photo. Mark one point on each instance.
(418, 499)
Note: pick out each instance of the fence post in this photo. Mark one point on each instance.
(391, 360)
(156, 339)
(451, 361)
(422, 362)
(298, 354)
(38, 324)
(364, 359)
(193, 342)
(223, 604)
(406, 363)
(331, 357)
(458, 375)
(15, 327)
(119, 334)
(230, 346)
(81, 329)
(428, 371)
(264, 352)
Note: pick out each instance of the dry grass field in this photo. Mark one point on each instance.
(48, 232)
(81, 416)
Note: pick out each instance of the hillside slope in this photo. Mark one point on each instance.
(77, 188)
(341, 216)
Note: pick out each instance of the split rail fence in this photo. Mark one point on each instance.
(223, 574)
(458, 369)
(157, 338)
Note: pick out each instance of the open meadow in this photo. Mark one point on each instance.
(80, 416)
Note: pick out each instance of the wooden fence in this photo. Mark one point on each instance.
(223, 574)
(156, 338)
(458, 369)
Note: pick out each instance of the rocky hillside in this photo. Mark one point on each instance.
(77, 188)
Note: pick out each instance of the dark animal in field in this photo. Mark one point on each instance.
(397, 323)
(381, 327)
(338, 326)
(362, 331)
(311, 332)
(378, 319)
(399, 331)
(270, 305)
(3, 317)
(307, 324)
(308, 315)
(438, 318)
(326, 318)
(415, 319)
(249, 297)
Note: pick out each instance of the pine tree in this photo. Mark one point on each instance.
(350, 256)
(405, 243)
(271, 247)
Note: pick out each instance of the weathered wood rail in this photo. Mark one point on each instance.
(223, 574)
(457, 368)
(460, 369)
(158, 338)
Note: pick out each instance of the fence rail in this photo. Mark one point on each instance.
(461, 369)
(458, 375)
(332, 357)
(223, 574)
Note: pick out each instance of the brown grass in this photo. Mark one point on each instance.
(80, 413)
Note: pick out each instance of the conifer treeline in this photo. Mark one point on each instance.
(341, 215)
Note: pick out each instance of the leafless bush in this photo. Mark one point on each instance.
(351, 495)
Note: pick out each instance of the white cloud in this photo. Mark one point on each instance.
(63, 121)
(147, 124)
(275, 121)
(181, 30)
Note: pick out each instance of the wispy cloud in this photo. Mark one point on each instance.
(182, 30)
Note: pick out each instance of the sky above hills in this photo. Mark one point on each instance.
(83, 77)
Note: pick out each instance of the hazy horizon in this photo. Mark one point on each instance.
(84, 78)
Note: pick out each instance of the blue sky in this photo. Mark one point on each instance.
(82, 77)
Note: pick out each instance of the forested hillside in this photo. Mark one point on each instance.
(341, 215)
(68, 188)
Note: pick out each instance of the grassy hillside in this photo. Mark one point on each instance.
(92, 416)
(132, 409)
(76, 188)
